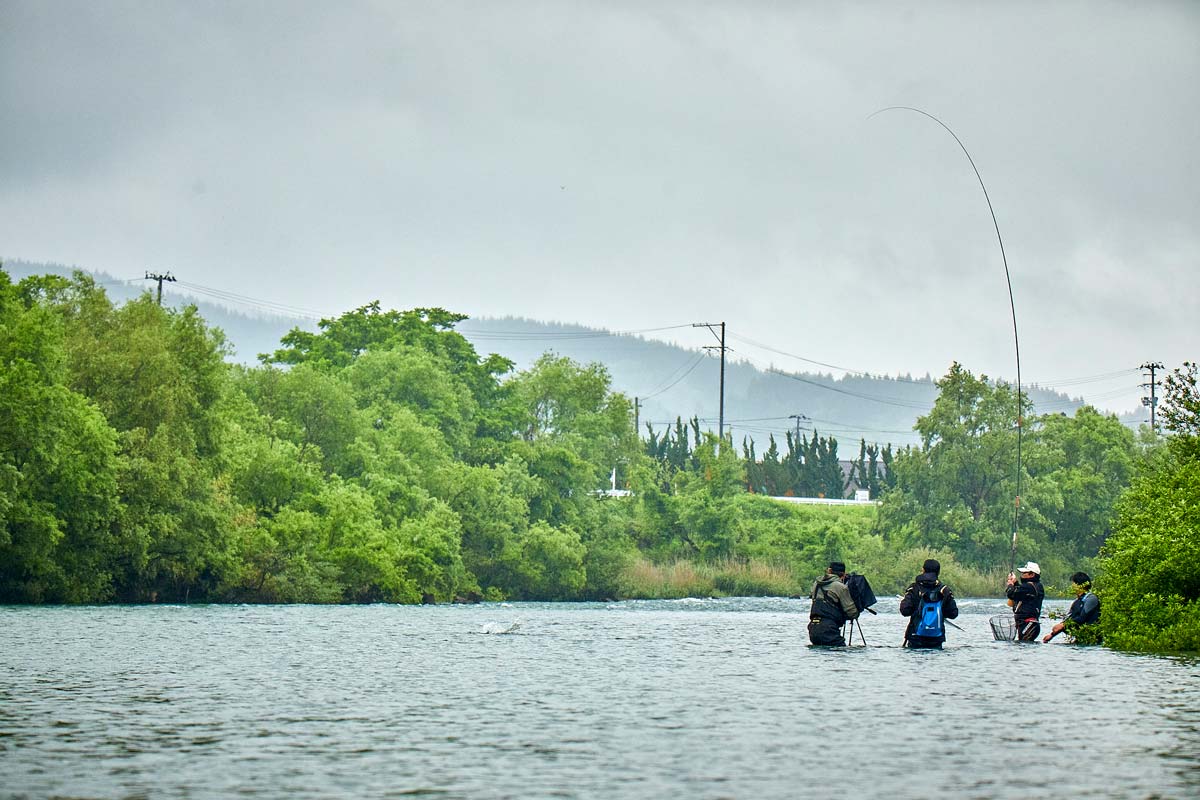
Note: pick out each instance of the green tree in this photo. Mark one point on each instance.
(552, 559)
(58, 463)
(956, 490)
(408, 377)
(1084, 463)
(343, 340)
(158, 376)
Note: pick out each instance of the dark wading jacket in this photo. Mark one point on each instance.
(911, 603)
(1085, 610)
(1027, 597)
(832, 606)
(831, 601)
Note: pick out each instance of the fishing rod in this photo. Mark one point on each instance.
(1012, 555)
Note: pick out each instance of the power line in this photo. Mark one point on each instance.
(848, 370)
(695, 363)
(279, 308)
(1055, 383)
(1048, 384)
(559, 335)
(886, 401)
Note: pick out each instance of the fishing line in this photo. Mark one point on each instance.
(1012, 558)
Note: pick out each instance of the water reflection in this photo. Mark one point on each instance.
(699, 698)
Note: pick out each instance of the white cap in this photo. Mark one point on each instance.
(1031, 567)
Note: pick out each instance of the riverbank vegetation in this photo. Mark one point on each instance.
(382, 458)
(1151, 564)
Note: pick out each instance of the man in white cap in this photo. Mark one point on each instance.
(1026, 596)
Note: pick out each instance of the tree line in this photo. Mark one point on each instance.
(381, 458)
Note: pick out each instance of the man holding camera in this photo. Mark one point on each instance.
(832, 607)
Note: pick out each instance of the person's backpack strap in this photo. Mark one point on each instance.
(928, 614)
(835, 607)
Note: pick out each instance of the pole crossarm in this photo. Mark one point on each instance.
(160, 277)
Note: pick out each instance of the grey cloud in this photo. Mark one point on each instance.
(627, 165)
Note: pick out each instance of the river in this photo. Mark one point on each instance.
(642, 699)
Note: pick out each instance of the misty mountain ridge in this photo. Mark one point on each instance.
(668, 380)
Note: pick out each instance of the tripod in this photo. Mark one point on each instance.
(851, 623)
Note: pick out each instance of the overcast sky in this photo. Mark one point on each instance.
(638, 165)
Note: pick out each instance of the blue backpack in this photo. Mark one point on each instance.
(929, 615)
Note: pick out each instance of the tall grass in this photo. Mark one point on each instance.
(890, 573)
(643, 579)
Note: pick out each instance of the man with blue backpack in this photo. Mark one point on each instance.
(928, 603)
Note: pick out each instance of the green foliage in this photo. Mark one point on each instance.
(381, 459)
(1083, 634)
(1151, 563)
(58, 464)
(1181, 401)
(552, 563)
(1082, 465)
(955, 493)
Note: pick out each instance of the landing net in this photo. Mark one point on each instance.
(1004, 628)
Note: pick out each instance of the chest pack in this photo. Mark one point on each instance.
(826, 609)
(929, 614)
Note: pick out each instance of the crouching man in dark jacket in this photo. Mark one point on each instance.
(1084, 613)
(832, 608)
(927, 587)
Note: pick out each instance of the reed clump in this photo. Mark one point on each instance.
(644, 579)
(890, 574)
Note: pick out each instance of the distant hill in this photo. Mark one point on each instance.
(669, 380)
(249, 333)
(673, 381)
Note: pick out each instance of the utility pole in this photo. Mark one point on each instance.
(637, 417)
(722, 348)
(154, 276)
(1152, 400)
(796, 441)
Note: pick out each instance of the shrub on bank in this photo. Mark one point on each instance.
(1151, 586)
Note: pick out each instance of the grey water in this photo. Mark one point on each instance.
(643, 699)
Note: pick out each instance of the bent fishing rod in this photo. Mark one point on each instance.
(1012, 555)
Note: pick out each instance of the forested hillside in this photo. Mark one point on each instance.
(667, 380)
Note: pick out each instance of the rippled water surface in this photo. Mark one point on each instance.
(700, 698)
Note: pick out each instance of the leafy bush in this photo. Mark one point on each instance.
(1151, 588)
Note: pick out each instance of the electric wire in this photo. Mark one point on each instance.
(695, 363)
(560, 335)
(254, 301)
